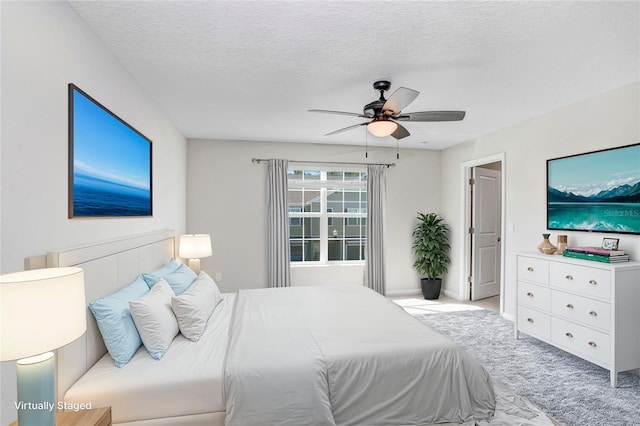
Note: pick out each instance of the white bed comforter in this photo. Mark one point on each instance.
(344, 356)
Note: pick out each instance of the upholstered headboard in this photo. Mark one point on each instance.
(108, 266)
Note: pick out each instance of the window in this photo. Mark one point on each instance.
(327, 215)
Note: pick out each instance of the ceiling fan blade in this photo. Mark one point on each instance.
(353, 114)
(431, 116)
(399, 100)
(400, 132)
(346, 128)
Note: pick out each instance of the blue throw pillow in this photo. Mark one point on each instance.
(115, 322)
(180, 279)
(152, 277)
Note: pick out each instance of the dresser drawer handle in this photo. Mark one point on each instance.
(570, 306)
(593, 344)
(594, 282)
(530, 320)
(530, 294)
(569, 277)
(568, 334)
(530, 269)
(593, 313)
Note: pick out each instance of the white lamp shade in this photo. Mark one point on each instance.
(382, 128)
(195, 246)
(40, 310)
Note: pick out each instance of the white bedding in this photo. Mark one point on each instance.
(345, 356)
(186, 381)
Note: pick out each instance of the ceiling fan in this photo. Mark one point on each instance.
(384, 114)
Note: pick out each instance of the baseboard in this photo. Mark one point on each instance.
(403, 293)
(508, 317)
(451, 295)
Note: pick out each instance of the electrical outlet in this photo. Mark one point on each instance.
(218, 276)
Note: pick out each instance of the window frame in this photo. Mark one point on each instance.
(327, 215)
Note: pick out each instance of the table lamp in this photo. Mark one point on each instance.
(194, 247)
(40, 310)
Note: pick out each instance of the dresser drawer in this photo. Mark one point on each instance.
(589, 312)
(534, 296)
(532, 269)
(534, 323)
(581, 340)
(581, 279)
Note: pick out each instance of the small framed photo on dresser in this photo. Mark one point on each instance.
(610, 243)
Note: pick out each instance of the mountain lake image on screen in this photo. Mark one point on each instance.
(597, 191)
(110, 162)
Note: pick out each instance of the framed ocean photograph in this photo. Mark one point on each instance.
(596, 191)
(109, 162)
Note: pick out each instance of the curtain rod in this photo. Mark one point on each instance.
(259, 160)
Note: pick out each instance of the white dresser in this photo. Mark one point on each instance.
(590, 309)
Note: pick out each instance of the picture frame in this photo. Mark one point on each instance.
(610, 243)
(110, 163)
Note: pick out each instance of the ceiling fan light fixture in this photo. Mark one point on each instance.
(382, 128)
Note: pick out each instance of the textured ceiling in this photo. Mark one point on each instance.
(250, 70)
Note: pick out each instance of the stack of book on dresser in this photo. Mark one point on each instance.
(596, 253)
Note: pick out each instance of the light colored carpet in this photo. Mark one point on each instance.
(571, 390)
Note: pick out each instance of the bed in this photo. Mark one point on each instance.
(306, 355)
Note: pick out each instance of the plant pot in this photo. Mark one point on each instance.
(431, 287)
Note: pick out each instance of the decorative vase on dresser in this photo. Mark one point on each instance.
(590, 309)
(545, 246)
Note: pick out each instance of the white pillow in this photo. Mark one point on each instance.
(194, 307)
(154, 318)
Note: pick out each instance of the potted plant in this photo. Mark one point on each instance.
(431, 250)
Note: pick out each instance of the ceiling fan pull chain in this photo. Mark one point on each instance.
(397, 149)
(366, 144)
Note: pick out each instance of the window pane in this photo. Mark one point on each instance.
(311, 227)
(311, 201)
(352, 176)
(294, 199)
(334, 200)
(355, 249)
(335, 250)
(311, 175)
(295, 227)
(352, 228)
(312, 250)
(294, 174)
(295, 247)
(335, 175)
(335, 229)
(352, 201)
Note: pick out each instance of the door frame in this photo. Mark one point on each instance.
(465, 223)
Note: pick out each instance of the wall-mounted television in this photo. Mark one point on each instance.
(109, 162)
(596, 191)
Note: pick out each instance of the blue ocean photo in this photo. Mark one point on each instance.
(111, 163)
(599, 191)
(96, 197)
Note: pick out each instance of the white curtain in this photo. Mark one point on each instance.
(376, 187)
(278, 224)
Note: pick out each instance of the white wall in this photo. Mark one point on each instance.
(609, 120)
(226, 198)
(45, 46)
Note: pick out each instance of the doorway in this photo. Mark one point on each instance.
(483, 253)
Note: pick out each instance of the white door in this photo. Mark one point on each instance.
(485, 239)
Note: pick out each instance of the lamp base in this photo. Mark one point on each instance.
(36, 390)
(194, 264)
